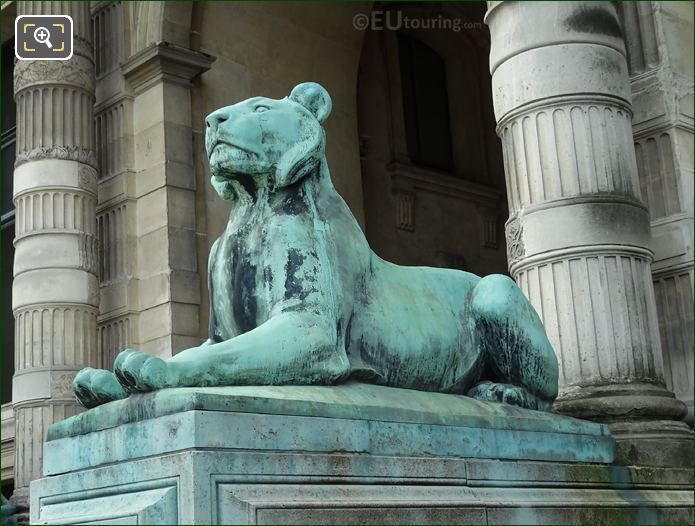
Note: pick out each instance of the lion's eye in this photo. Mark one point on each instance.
(259, 109)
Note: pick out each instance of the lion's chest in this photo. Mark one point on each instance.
(235, 287)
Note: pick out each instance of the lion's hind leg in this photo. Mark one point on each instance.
(521, 367)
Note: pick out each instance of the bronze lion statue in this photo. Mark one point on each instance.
(298, 297)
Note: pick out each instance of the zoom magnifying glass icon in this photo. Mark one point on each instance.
(43, 36)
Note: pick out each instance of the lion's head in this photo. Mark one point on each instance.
(267, 142)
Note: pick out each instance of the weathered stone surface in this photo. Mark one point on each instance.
(665, 443)
(368, 454)
(349, 489)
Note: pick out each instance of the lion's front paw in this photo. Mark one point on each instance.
(138, 371)
(94, 387)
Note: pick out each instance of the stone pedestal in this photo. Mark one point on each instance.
(578, 236)
(349, 454)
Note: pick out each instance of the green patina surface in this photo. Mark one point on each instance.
(7, 512)
(298, 297)
(356, 401)
(352, 418)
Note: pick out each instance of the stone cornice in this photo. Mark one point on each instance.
(675, 269)
(164, 62)
(98, 5)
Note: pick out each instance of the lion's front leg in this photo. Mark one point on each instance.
(297, 344)
(134, 371)
(95, 387)
(289, 348)
(139, 371)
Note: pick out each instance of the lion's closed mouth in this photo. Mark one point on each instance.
(232, 145)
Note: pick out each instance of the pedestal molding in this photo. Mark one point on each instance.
(315, 454)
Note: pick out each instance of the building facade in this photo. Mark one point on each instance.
(555, 145)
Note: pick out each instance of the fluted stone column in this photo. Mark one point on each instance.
(55, 290)
(578, 234)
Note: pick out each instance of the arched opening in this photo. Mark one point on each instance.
(432, 166)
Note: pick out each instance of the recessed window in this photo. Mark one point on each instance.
(425, 105)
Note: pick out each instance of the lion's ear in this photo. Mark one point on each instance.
(314, 98)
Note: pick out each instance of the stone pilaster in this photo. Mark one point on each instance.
(578, 234)
(165, 243)
(55, 289)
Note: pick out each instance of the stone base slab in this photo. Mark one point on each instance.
(354, 453)
(354, 417)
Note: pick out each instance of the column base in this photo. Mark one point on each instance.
(645, 420)
(660, 443)
(620, 403)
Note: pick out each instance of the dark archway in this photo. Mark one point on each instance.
(432, 166)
